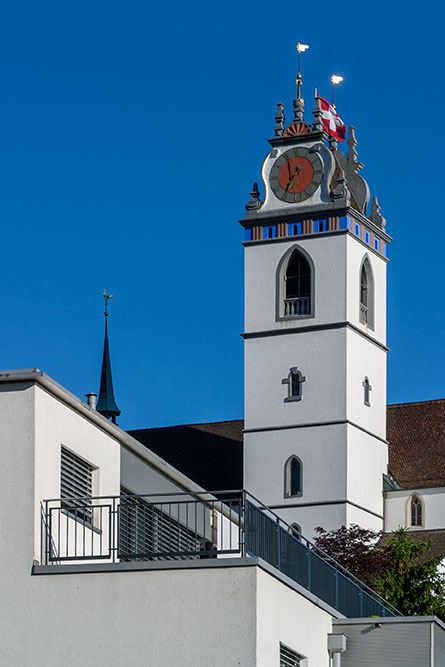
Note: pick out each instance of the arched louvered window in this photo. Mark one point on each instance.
(366, 294)
(293, 477)
(416, 511)
(298, 286)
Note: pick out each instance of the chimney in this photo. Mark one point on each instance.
(91, 398)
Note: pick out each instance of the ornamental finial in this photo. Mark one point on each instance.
(376, 217)
(254, 202)
(280, 119)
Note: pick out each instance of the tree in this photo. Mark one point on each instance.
(395, 567)
(411, 581)
(354, 548)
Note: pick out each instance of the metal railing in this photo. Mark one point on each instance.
(300, 305)
(153, 527)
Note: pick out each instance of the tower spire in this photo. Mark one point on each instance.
(106, 404)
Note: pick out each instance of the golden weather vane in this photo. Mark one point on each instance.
(335, 79)
(301, 48)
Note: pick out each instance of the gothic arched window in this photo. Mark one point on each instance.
(295, 285)
(297, 299)
(293, 477)
(416, 511)
(366, 294)
(296, 530)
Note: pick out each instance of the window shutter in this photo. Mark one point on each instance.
(76, 482)
(288, 657)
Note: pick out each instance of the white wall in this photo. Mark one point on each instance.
(356, 251)
(58, 425)
(328, 254)
(299, 624)
(320, 356)
(366, 360)
(366, 463)
(398, 510)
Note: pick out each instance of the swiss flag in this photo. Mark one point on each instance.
(332, 123)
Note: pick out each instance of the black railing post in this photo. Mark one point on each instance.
(114, 539)
(278, 547)
(309, 572)
(336, 587)
(246, 527)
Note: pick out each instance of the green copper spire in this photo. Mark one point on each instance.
(106, 404)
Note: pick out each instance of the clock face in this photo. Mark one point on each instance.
(296, 175)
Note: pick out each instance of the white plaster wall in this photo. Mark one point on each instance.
(321, 357)
(17, 516)
(56, 424)
(322, 451)
(294, 621)
(356, 251)
(132, 619)
(328, 254)
(367, 460)
(364, 359)
(328, 517)
(363, 519)
(398, 510)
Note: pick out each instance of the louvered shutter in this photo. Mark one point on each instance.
(76, 483)
(288, 657)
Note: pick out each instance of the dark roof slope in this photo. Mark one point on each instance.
(416, 436)
(210, 454)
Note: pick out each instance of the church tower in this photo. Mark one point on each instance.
(315, 330)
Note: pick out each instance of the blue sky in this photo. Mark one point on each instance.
(130, 135)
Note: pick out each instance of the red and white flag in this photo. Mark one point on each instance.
(332, 123)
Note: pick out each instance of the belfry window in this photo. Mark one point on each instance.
(293, 477)
(366, 294)
(416, 511)
(297, 299)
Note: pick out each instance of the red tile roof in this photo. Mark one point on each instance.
(416, 436)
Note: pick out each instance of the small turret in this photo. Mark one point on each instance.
(106, 403)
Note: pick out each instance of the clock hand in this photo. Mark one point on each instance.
(293, 179)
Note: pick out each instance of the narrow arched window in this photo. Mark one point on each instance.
(293, 477)
(366, 294)
(297, 299)
(416, 511)
(296, 530)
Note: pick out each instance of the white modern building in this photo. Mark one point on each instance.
(119, 549)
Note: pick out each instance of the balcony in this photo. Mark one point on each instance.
(296, 306)
(183, 526)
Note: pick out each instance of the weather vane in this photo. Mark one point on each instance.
(335, 79)
(301, 48)
(107, 297)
